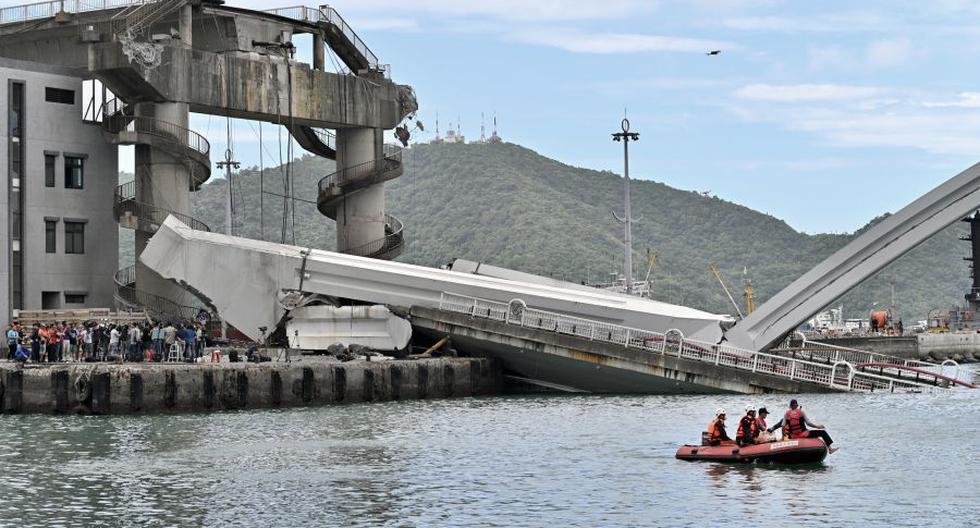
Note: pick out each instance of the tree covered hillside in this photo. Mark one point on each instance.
(508, 206)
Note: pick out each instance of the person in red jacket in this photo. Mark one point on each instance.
(795, 423)
(762, 430)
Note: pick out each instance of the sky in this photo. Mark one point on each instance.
(824, 114)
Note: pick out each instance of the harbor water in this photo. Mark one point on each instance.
(905, 460)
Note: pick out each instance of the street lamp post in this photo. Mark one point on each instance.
(626, 136)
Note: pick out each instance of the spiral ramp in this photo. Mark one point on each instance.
(335, 188)
(121, 126)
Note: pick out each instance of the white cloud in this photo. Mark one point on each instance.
(796, 93)
(905, 126)
(966, 100)
(604, 43)
(890, 52)
(833, 23)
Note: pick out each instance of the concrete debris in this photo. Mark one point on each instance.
(147, 55)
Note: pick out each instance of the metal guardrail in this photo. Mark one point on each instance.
(331, 187)
(329, 15)
(39, 10)
(127, 295)
(116, 123)
(328, 138)
(829, 353)
(115, 118)
(841, 375)
(386, 247)
(374, 171)
(150, 217)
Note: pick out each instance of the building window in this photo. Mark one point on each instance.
(74, 237)
(16, 109)
(16, 164)
(74, 298)
(50, 232)
(17, 281)
(58, 95)
(15, 214)
(74, 172)
(49, 161)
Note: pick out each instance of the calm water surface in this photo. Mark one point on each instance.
(509, 461)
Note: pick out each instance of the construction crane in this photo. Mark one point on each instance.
(749, 297)
(651, 263)
(717, 275)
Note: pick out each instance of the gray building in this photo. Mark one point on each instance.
(57, 232)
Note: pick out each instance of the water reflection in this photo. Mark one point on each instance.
(585, 461)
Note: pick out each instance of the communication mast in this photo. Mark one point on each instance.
(494, 138)
(483, 131)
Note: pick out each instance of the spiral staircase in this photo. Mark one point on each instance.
(334, 188)
(121, 126)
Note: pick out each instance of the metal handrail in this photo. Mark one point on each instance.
(329, 15)
(328, 138)
(661, 343)
(127, 294)
(390, 161)
(125, 199)
(830, 353)
(118, 122)
(388, 246)
(22, 13)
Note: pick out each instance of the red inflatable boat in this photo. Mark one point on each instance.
(800, 451)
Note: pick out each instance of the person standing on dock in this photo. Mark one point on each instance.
(114, 341)
(135, 337)
(156, 336)
(13, 338)
(169, 335)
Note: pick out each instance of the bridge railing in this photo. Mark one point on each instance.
(329, 15)
(38, 10)
(840, 375)
(830, 353)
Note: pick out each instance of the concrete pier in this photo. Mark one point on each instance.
(162, 388)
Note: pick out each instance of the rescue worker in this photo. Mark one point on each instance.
(716, 430)
(747, 427)
(763, 435)
(795, 423)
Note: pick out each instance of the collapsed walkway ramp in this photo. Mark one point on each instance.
(244, 280)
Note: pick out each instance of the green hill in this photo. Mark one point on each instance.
(507, 205)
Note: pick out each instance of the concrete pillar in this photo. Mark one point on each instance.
(163, 180)
(360, 217)
(318, 52)
(187, 25)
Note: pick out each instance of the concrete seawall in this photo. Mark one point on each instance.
(162, 388)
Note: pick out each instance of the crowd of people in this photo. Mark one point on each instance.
(752, 427)
(94, 341)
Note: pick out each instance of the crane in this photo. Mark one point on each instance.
(749, 297)
(717, 275)
(651, 263)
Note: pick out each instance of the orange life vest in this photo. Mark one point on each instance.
(794, 423)
(714, 432)
(746, 421)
